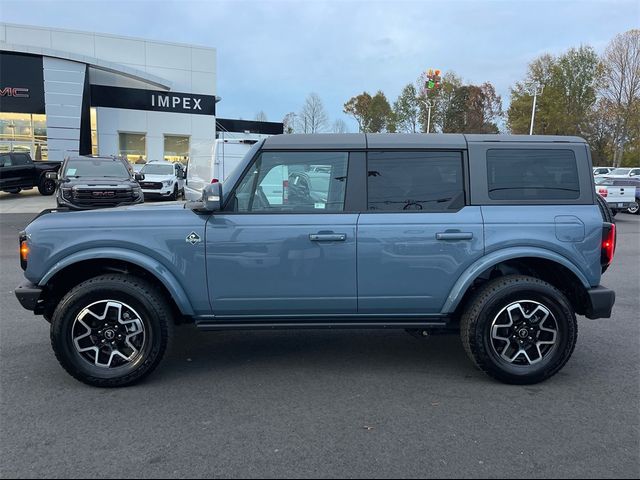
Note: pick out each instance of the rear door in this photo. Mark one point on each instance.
(418, 233)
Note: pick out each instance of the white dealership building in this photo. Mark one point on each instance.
(66, 92)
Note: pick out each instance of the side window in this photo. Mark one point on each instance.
(20, 159)
(5, 161)
(294, 182)
(405, 181)
(532, 174)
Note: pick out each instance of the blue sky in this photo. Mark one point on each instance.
(272, 53)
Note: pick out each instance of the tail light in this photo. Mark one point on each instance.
(603, 192)
(285, 191)
(608, 248)
(215, 180)
(24, 250)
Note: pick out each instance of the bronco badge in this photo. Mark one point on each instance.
(193, 238)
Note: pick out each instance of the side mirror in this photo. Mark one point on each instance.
(139, 177)
(51, 175)
(211, 200)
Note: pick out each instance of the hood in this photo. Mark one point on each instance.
(96, 181)
(108, 218)
(157, 178)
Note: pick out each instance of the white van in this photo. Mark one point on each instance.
(227, 153)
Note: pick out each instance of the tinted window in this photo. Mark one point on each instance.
(404, 181)
(88, 167)
(157, 169)
(294, 182)
(5, 160)
(20, 159)
(532, 174)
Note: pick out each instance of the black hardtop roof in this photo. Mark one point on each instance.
(333, 141)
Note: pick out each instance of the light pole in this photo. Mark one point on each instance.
(534, 89)
(429, 105)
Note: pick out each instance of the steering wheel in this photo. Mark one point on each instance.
(299, 189)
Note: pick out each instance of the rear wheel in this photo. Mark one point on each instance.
(634, 209)
(46, 186)
(111, 331)
(519, 330)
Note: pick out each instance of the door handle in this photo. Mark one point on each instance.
(454, 236)
(327, 237)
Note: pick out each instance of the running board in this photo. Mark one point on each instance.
(310, 324)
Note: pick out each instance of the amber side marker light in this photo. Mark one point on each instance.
(24, 251)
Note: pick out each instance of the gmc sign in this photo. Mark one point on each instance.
(21, 83)
(14, 92)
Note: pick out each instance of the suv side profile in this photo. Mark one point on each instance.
(500, 238)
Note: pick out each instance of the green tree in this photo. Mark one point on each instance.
(358, 107)
(373, 114)
(407, 110)
(568, 97)
(380, 114)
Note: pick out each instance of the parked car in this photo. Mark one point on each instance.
(19, 172)
(622, 183)
(97, 182)
(163, 180)
(624, 173)
(597, 171)
(500, 238)
(619, 197)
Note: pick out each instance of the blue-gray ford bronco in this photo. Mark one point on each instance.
(500, 238)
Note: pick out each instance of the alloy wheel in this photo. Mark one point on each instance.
(524, 333)
(108, 334)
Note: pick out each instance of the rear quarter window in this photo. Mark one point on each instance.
(532, 174)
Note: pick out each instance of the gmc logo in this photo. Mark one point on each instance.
(104, 194)
(14, 92)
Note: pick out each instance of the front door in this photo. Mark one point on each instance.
(284, 247)
(418, 235)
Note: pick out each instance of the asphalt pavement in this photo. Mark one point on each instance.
(323, 403)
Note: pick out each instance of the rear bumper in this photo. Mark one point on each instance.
(601, 301)
(28, 295)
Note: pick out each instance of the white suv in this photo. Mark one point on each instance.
(163, 180)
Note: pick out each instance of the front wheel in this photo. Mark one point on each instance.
(111, 330)
(519, 330)
(46, 186)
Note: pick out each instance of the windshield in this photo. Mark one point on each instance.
(157, 169)
(94, 167)
(620, 171)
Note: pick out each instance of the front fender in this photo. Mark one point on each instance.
(153, 266)
(488, 261)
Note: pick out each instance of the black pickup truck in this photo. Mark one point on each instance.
(19, 172)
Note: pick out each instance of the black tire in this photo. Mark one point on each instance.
(489, 304)
(605, 210)
(635, 209)
(14, 191)
(46, 186)
(137, 294)
(174, 195)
